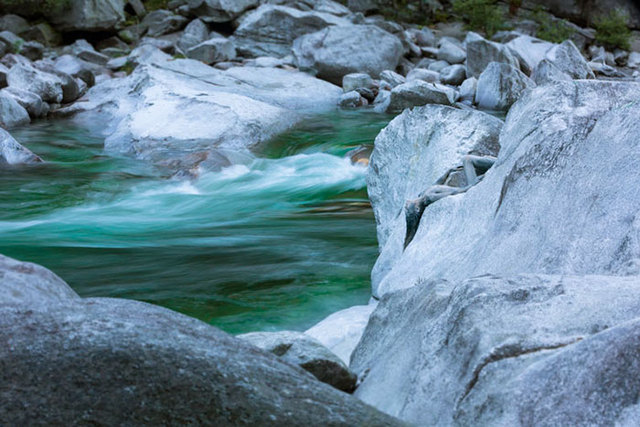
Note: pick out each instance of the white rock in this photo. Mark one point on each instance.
(500, 85)
(417, 92)
(451, 52)
(12, 153)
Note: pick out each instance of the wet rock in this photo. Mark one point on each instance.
(212, 51)
(12, 153)
(341, 49)
(453, 75)
(417, 92)
(301, 350)
(481, 52)
(180, 370)
(451, 52)
(500, 85)
(416, 149)
(270, 30)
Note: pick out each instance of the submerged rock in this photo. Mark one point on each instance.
(340, 50)
(308, 353)
(12, 153)
(152, 364)
(514, 350)
(555, 138)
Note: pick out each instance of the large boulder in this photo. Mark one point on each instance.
(529, 51)
(270, 30)
(11, 112)
(569, 60)
(71, 15)
(581, 132)
(217, 49)
(418, 92)
(194, 33)
(416, 149)
(13, 153)
(220, 10)
(250, 105)
(516, 350)
(308, 353)
(46, 85)
(69, 360)
(30, 101)
(500, 85)
(340, 50)
(481, 52)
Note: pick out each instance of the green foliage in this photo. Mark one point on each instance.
(612, 30)
(17, 46)
(155, 4)
(552, 30)
(480, 15)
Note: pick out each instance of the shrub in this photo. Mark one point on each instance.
(612, 30)
(552, 30)
(483, 15)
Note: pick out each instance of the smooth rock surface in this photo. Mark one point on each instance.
(500, 85)
(453, 75)
(26, 77)
(340, 50)
(27, 100)
(211, 51)
(451, 52)
(515, 350)
(308, 353)
(416, 93)
(481, 52)
(11, 112)
(529, 51)
(570, 61)
(13, 274)
(416, 149)
(220, 10)
(270, 30)
(554, 138)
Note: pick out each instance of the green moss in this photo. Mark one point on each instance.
(612, 30)
(45, 6)
(151, 5)
(552, 30)
(480, 15)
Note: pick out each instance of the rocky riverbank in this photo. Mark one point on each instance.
(504, 193)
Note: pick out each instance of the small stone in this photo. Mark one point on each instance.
(352, 100)
(354, 81)
(453, 74)
(394, 79)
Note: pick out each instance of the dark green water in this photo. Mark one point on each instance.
(275, 244)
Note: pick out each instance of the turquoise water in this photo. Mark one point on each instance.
(277, 243)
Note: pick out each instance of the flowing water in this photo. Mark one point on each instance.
(277, 243)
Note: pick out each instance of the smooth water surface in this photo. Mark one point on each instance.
(277, 243)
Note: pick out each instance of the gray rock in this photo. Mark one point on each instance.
(251, 105)
(554, 136)
(394, 79)
(28, 100)
(156, 366)
(3, 75)
(417, 92)
(32, 50)
(270, 30)
(468, 90)
(14, 23)
(195, 33)
(15, 273)
(146, 54)
(416, 149)
(515, 350)
(70, 89)
(634, 60)
(11, 59)
(340, 50)
(481, 52)
(438, 66)
(26, 77)
(85, 51)
(308, 353)
(340, 332)
(12, 114)
(451, 52)
(13, 42)
(355, 81)
(453, 75)
(605, 70)
(382, 100)
(424, 37)
(424, 75)
(569, 60)
(500, 85)
(78, 68)
(212, 51)
(529, 51)
(42, 33)
(548, 73)
(364, 6)
(72, 15)
(220, 10)
(160, 22)
(352, 99)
